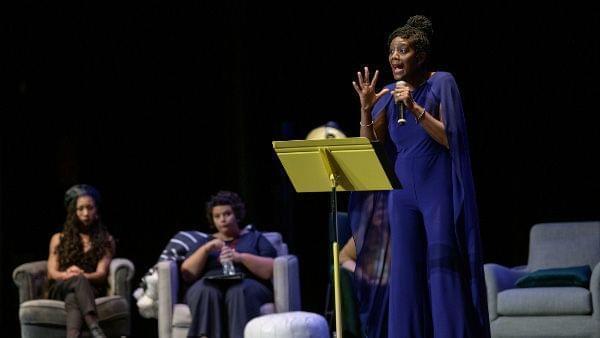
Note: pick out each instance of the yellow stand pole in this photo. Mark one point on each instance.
(337, 290)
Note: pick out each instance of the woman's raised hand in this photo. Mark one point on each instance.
(365, 89)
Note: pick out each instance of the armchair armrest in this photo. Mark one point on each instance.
(497, 279)
(168, 288)
(30, 278)
(286, 284)
(119, 277)
(595, 291)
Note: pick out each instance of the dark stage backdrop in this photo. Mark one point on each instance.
(161, 106)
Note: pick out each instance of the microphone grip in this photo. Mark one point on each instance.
(400, 105)
(400, 108)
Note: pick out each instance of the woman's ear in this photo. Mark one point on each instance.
(421, 58)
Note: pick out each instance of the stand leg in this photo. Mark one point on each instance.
(337, 290)
(333, 224)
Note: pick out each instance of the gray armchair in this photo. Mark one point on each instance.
(174, 319)
(47, 318)
(548, 311)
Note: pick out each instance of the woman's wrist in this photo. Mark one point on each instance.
(241, 257)
(418, 112)
(206, 248)
(421, 116)
(365, 116)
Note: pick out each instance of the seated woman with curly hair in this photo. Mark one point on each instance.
(79, 259)
(222, 307)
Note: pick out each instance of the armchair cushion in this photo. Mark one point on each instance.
(570, 276)
(182, 317)
(47, 311)
(547, 301)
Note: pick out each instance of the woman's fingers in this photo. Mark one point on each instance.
(360, 79)
(375, 77)
(382, 92)
(363, 80)
(401, 93)
(356, 88)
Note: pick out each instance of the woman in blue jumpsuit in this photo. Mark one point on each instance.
(433, 283)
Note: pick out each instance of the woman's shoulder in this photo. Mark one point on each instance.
(55, 239)
(249, 231)
(442, 78)
(251, 234)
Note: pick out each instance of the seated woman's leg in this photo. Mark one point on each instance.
(84, 294)
(204, 299)
(74, 320)
(243, 303)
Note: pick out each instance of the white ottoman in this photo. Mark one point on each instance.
(296, 324)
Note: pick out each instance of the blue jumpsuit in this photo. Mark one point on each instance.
(433, 276)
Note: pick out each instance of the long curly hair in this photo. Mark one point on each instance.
(70, 249)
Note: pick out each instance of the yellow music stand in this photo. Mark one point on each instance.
(348, 164)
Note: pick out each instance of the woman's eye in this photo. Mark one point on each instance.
(402, 50)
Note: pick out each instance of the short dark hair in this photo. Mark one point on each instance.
(418, 30)
(224, 197)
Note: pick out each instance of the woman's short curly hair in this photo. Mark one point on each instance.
(226, 198)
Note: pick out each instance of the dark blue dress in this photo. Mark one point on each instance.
(222, 309)
(419, 256)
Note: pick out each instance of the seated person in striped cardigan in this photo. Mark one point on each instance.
(201, 254)
(222, 307)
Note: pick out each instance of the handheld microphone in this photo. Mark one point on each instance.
(400, 106)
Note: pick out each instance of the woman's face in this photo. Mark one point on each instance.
(403, 58)
(224, 218)
(86, 210)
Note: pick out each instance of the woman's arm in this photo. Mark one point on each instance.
(434, 127)
(348, 255)
(258, 265)
(192, 267)
(53, 272)
(102, 269)
(367, 126)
